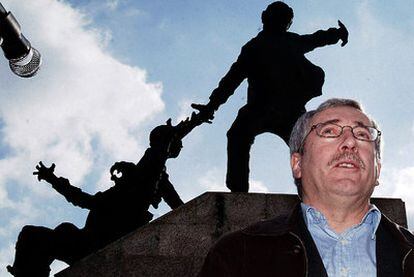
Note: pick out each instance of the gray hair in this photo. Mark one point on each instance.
(302, 128)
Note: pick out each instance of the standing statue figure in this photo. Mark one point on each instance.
(280, 82)
(113, 213)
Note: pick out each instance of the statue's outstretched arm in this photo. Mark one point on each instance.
(226, 87)
(168, 193)
(324, 37)
(72, 194)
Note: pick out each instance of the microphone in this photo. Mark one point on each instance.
(24, 60)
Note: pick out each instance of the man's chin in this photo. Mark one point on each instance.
(346, 185)
(346, 175)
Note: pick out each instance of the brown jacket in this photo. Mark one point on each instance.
(283, 247)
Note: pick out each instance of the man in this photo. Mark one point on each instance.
(113, 213)
(335, 230)
(280, 82)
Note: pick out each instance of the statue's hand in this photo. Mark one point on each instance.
(45, 173)
(206, 113)
(343, 33)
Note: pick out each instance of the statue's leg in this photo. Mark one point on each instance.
(248, 124)
(282, 126)
(71, 243)
(240, 138)
(33, 252)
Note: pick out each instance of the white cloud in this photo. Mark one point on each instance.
(258, 186)
(83, 107)
(398, 183)
(404, 181)
(211, 181)
(185, 110)
(6, 252)
(104, 182)
(4, 200)
(81, 95)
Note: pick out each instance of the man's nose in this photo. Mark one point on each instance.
(348, 140)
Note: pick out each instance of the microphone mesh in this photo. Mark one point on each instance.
(28, 65)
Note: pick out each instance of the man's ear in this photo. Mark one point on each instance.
(377, 172)
(295, 164)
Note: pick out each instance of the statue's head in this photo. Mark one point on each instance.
(123, 172)
(278, 16)
(164, 136)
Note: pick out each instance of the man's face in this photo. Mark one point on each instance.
(337, 168)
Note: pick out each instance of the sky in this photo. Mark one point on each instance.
(113, 70)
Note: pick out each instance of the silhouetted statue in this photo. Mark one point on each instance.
(113, 213)
(280, 82)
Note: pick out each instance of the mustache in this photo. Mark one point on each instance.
(347, 156)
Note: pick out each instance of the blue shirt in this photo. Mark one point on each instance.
(349, 254)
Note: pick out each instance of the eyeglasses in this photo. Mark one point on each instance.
(332, 130)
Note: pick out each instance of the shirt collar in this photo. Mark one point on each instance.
(313, 216)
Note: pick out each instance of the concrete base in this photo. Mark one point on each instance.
(176, 243)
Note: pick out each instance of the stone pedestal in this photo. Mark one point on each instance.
(176, 243)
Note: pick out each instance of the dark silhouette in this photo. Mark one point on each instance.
(280, 82)
(113, 213)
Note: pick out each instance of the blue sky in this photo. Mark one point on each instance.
(115, 69)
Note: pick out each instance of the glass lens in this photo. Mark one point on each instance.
(365, 133)
(328, 130)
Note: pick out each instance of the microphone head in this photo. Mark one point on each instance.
(27, 65)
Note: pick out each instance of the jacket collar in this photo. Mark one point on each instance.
(283, 224)
(403, 237)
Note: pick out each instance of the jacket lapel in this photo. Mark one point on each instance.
(391, 248)
(315, 264)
